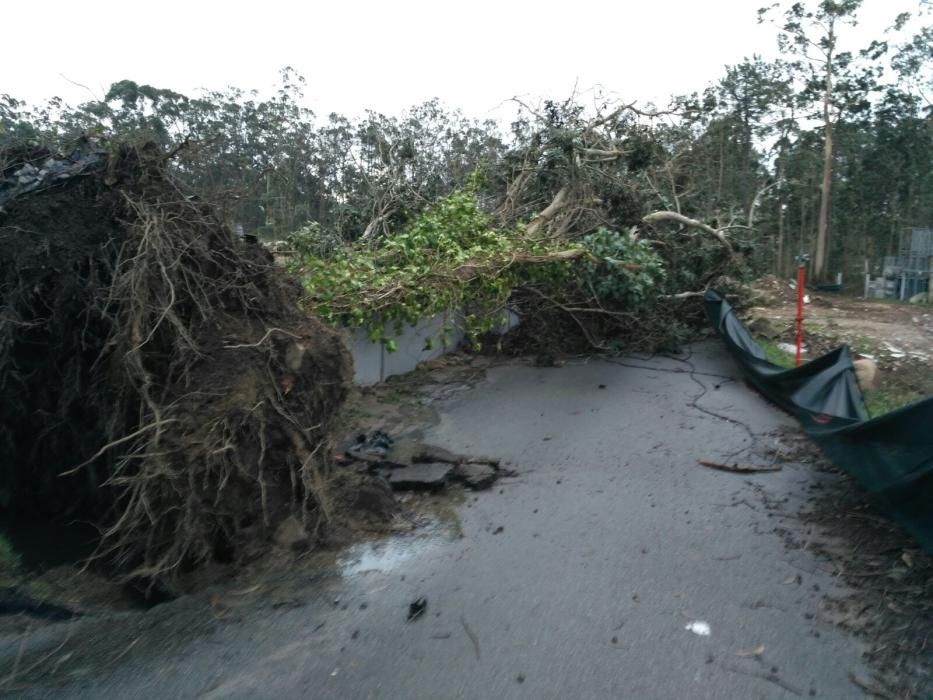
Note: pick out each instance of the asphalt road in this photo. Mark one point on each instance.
(577, 578)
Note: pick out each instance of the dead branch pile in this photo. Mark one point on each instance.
(157, 375)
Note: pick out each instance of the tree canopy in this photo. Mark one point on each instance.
(756, 153)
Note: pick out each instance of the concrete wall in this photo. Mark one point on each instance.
(372, 363)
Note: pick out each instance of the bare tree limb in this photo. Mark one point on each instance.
(560, 199)
(754, 205)
(660, 216)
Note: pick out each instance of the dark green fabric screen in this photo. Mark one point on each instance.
(892, 455)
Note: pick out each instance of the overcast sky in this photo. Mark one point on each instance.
(358, 54)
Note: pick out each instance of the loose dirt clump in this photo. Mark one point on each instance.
(159, 379)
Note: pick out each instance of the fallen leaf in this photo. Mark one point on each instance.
(757, 651)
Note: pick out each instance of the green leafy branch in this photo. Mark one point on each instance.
(451, 257)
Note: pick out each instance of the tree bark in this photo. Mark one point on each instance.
(779, 267)
(686, 221)
(821, 256)
(560, 199)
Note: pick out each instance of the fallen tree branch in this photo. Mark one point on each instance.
(560, 199)
(683, 295)
(659, 216)
(737, 468)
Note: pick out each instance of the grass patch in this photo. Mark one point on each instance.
(889, 398)
(776, 356)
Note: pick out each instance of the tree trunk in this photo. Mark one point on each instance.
(821, 256)
(779, 267)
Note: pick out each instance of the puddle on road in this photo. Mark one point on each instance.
(398, 553)
(394, 554)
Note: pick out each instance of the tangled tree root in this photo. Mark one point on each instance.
(158, 377)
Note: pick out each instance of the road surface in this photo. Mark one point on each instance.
(611, 566)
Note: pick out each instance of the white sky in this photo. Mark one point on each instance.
(359, 54)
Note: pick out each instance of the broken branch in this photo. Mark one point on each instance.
(659, 216)
(737, 468)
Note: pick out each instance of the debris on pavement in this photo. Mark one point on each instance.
(699, 627)
(419, 467)
(417, 608)
(419, 477)
(738, 468)
(770, 676)
(430, 453)
(371, 448)
(751, 653)
(870, 689)
(476, 476)
(472, 635)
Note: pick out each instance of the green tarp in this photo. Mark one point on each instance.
(892, 455)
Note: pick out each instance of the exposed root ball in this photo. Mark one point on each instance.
(157, 375)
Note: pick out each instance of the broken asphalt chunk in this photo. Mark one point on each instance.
(420, 477)
(475, 476)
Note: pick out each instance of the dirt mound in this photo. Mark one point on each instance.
(158, 377)
(770, 290)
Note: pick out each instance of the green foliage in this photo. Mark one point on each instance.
(450, 257)
(312, 240)
(776, 356)
(889, 398)
(628, 272)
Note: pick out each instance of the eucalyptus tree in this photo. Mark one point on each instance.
(810, 34)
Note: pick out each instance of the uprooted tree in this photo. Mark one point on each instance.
(158, 376)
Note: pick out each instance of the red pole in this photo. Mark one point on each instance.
(800, 279)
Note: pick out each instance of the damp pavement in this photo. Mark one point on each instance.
(612, 565)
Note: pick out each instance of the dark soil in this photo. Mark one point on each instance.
(159, 379)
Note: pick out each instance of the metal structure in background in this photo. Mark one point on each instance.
(909, 272)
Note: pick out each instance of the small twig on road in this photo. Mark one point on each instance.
(471, 635)
(740, 502)
(737, 468)
(766, 676)
(870, 689)
(19, 657)
(7, 685)
(125, 651)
